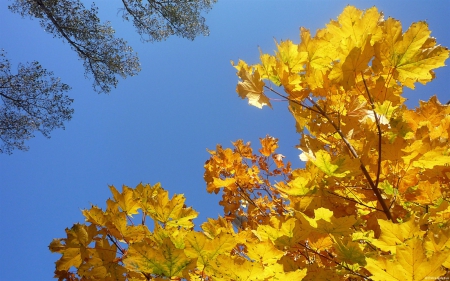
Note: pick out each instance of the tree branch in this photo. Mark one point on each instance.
(57, 25)
(319, 110)
(356, 156)
(151, 2)
(67, 37)
(8, 97)
(377, 121)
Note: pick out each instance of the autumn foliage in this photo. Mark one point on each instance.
(371, 202)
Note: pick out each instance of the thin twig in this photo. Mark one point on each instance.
(291, 100)
(129, 219)
(247, 197)
(335, 262)
(122, 250)
(353, 200)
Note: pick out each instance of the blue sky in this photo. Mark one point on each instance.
(156, 127)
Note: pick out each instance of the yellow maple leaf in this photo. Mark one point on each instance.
(269, 145)
(251, 86)
(412, 55)
(102, 263)
(425, 193)
(339, 167)
(410, 263)
(205, 250)
(214, 227)
(393, 234)
(142, 192)
(169, 212)
(431, 114)
(357, 25)
(244, 150)
(71, 257)
(135, 233)
(303, 183)
(356, 61)
(385, 111)
(95, 215)
(286, 233)
(75, 247)
(439, 156)
(353, 35)
(165, 260)
(56, 246)
(319, 241)
(325, 222)
(292, 59)
(350, 252)
(320, 52)
(237, 268)
(125, 200)
(228, 183)
(267, 68)
(117, 220)
(264, 252)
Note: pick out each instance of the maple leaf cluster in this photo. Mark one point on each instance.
(370, 203)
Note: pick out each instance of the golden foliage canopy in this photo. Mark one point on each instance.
(370, 202)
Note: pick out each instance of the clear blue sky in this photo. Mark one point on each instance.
(155, 127)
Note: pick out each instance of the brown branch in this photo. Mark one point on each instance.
(319, 110)
(147, 275)
(128, 9)
(58, 26)
(122, 250)
(377, 122)
(67, 37)
(10, 98)
(356, 156)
